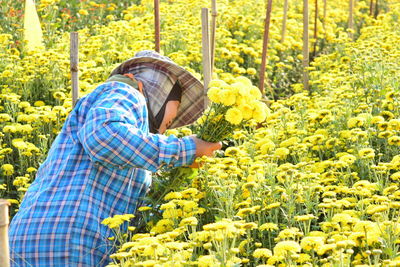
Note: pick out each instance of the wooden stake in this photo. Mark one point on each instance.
(4, 222)
(206, 51)
(371, 7)
(74, 66)
(265, 47)
(351, 19)
(213, 29)
(285, 11)
(315, 28)
(305, 46)
(376, 8)
(157, 24)
(325, 13)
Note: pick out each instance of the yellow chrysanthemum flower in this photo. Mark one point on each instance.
(8, 169)
(234, 116)
(262, 253)
(227, 97)
(366, 153)
(214, 94)
(286, 248)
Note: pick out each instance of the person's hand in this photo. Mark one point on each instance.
(204, 148)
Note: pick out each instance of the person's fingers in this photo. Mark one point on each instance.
(204, 148)
(194, 165)
(211, 147)
(218, 145)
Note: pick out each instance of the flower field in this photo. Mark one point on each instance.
(312, 180)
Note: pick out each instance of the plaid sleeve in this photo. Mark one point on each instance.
(112, 134)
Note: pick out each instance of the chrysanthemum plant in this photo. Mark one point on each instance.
(232, 106)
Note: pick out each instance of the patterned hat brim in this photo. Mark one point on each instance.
(193, 95)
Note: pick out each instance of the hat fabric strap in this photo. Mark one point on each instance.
(139, 86)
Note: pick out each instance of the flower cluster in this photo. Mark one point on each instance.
(233, 106)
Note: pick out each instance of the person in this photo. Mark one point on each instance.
(100, 163)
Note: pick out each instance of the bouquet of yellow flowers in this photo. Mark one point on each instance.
(232, 106)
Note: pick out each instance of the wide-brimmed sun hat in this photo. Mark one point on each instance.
(158, 74)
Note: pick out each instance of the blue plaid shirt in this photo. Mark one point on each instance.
(98, 166)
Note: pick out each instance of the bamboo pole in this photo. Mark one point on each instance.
(213, 29)
(265, 47)
(285, 11)
(351, 18)
(157, 24)
(315, 28)
(74, 58)
(206, 51)
(306, 50)
(4, 222)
